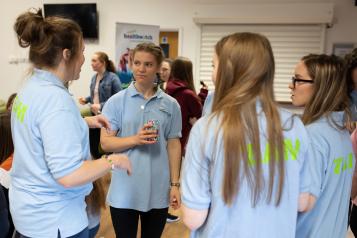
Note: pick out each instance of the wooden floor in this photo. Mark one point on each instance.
(172, 230)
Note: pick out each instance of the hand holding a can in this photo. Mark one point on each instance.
(148, 134)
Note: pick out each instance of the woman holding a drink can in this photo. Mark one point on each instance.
(146, 125)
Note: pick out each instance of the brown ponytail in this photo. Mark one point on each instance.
(103, 57)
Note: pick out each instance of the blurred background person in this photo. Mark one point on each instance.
(104, 84)
(165, 72)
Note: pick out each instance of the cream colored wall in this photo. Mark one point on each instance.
(169, 14)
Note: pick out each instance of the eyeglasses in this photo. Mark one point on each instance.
(295, 80)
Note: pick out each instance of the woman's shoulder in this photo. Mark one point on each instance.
(112, 76)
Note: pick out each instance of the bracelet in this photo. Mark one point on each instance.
(109, 160)
(175, 184)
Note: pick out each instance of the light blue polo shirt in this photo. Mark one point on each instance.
(202, 180)
(51, 141)
(332, 180)
(148, 185)
(207, 106)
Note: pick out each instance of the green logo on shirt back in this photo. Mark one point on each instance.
(290, 149)
(19, 109)
(342, 164)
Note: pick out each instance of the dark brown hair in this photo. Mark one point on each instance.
(10, 101)
(103, 57)
(6, 143)
(181, 69)
(96, 199)
(245, 75)
(329, 88)
(351, 64)
(47, 37)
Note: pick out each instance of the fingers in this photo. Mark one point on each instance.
(103, 121)
(122, 161)
(82, 101)
(147, 135)
(175, 199)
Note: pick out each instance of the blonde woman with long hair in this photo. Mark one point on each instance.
(319, 85)
(242, 175)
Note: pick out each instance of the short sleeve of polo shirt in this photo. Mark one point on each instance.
(307, 174)
(316, 165)
(176, 122)
(112, 111)
(196, 190)
(61, 137)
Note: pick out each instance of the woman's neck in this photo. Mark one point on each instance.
(146, 90)
(101, 72)
(59, 72)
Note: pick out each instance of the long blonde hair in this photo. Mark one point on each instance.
(245, 75)
(329, 88)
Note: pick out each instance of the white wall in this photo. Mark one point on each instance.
(169, 14)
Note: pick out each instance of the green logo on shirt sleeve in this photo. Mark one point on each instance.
(19, 109)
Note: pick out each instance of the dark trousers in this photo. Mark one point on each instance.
(125, 222)
(94, 140)
(9, 218)
(353, 218)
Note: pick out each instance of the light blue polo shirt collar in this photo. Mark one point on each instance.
(44, 75)
(133, 92)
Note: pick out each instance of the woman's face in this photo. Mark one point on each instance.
(145, 68)
(215, 63)
(302, 91)
(74, 66)
(165, 71)
(97, 65)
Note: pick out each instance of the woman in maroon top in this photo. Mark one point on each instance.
(181, 87)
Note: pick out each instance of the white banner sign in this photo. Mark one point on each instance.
(128, 36)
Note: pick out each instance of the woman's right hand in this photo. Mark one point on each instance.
(121, 161)
(82, 100)
(146, 136)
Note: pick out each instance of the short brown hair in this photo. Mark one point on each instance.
(151, 48)
(47, 37)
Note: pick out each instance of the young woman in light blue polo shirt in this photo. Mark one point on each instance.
(52, 171)
(146, 125)
(319, 85)
(244, 173)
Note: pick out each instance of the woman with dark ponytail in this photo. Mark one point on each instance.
(104, 84)
(52, 169)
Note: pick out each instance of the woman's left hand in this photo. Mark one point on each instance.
(175, 197)
(98, 121)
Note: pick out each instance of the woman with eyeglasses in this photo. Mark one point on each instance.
(351, 76)
(319, 86)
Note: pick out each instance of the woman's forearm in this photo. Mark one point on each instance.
(174, 153)
(111, 143)
(89, 171)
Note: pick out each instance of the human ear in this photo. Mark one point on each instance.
(66, 54)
